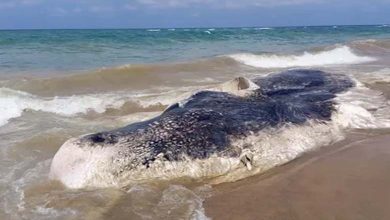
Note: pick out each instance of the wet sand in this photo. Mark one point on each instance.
(348, 180)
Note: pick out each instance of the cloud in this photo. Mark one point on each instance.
(268, 3)
(14, 4)
(224, 3)
(175, 3)
(4, 5)
(30, 2)
(117, 5)
(101, 8)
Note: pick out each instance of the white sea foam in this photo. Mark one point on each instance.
(337, 56)
(361, 107)
(380, 76)
(263, 28)
(13, 102)
(13, 198)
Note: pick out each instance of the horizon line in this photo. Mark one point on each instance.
(195, 27)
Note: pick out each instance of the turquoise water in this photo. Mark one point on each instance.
(47, 51)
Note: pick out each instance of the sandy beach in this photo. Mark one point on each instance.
(348, 180)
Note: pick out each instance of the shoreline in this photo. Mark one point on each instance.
(345, 180)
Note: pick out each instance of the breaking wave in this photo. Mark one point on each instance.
(13, 103)
(126, 77)
(337, 56)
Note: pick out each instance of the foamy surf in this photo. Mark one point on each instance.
(337, 56)
(379, 76)
(362, 107)
(13, 103)
(263, 28)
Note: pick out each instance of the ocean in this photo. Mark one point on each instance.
(60, 84)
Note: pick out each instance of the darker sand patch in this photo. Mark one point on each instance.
(349, 180)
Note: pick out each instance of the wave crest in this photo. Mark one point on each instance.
(337, 56)
(13, 103)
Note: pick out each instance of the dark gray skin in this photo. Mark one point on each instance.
(205, 124)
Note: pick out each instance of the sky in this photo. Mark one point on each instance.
(47, 14)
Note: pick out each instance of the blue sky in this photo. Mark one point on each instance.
(15, 14)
